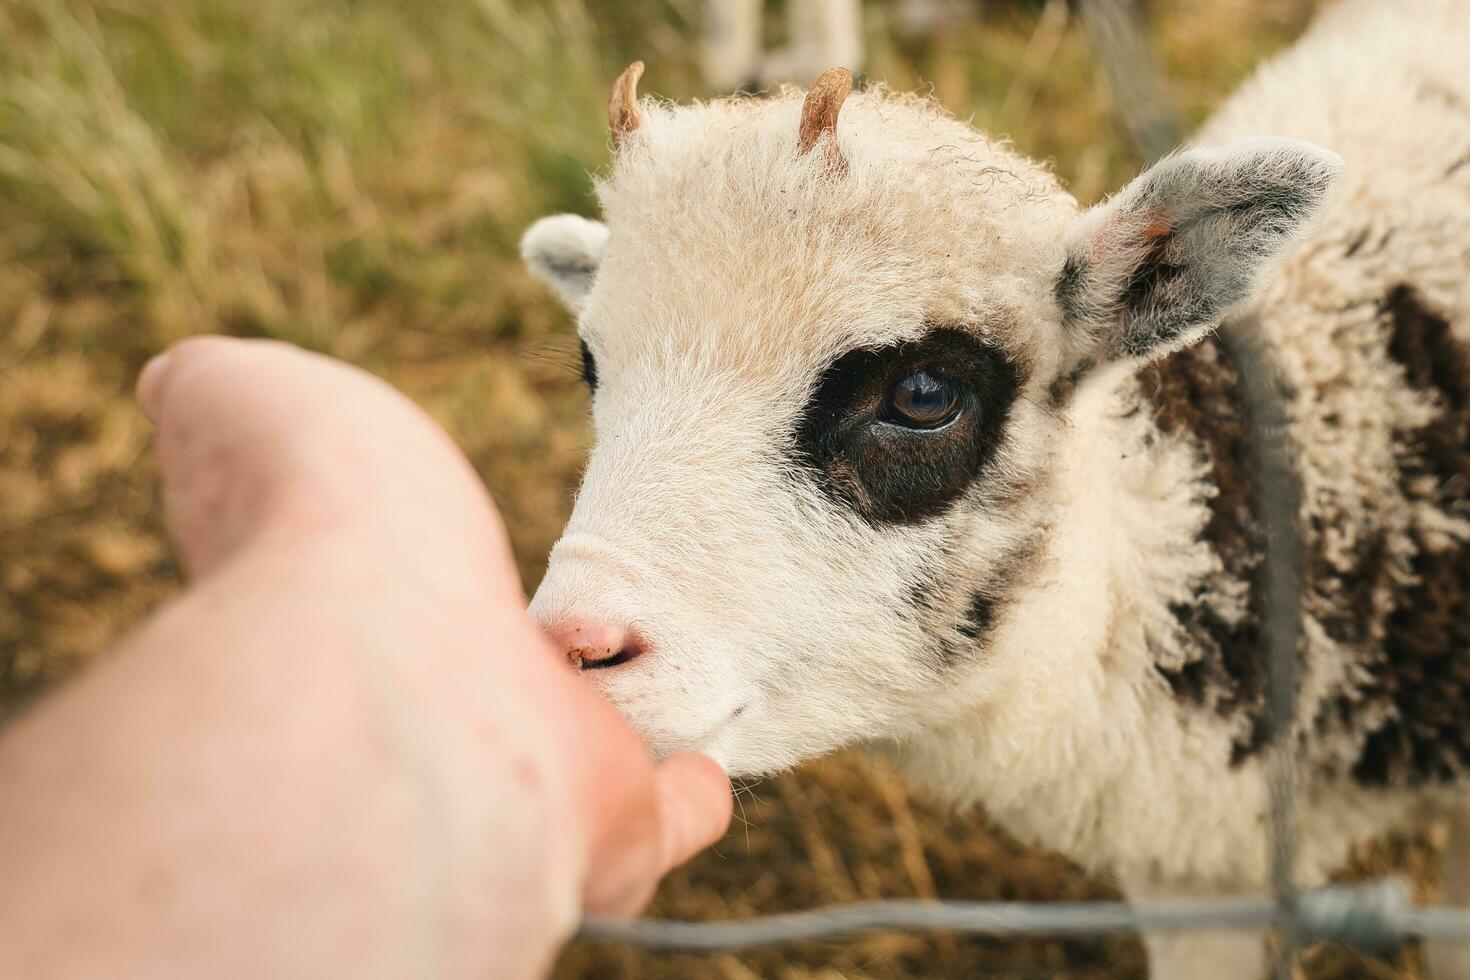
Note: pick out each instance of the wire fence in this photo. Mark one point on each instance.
(1373, 916)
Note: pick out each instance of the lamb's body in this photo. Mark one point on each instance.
(1065, 632)
(1369, 319)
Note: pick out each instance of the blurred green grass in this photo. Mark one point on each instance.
(352, 176)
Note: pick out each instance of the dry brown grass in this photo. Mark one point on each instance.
(352, 176)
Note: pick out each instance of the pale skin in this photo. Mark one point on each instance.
(344, 750)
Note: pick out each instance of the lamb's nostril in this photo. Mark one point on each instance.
(621, 657)
(609, 655)
(594, 646)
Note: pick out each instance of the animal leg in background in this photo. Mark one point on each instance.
(820, 33)
(1224, 954)
(1451, 960)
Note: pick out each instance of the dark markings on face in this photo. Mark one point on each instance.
(960, 616)
(858, 438)
(1197, 392)
(589, 367)
(980, 618)
(1064, 386)
(1423, 672)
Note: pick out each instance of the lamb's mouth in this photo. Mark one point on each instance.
(707, 743)
(720, 726)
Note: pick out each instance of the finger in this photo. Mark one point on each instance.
(218, 483)
(695, 807)
(257, 434)
(150, 383)
(639, 836)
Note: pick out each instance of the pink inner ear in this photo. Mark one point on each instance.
(1159, 228)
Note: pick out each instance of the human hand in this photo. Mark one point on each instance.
(258, 441)
(385, 764)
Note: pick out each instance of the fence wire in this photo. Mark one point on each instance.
(1373, 916)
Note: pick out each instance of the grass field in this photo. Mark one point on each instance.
(353, 176)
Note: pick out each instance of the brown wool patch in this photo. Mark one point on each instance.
(1423, 671)
(1196, 393)
(1064, 386)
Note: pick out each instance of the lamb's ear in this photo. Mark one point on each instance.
(564, 251)
(1161, 263)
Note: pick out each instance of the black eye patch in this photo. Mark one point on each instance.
(872, 458)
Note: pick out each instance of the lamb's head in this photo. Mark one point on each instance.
(829, 356)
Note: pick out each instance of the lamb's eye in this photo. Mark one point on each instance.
(922, 401)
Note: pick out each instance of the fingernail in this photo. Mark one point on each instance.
(150, 384)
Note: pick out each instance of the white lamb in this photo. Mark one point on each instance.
(896, 446)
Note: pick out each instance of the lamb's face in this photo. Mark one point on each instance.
(823, 405)
(808, 495)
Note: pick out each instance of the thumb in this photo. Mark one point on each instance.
(695, 806)
(685, 809)
(258, 435)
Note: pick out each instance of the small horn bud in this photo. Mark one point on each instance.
(819, 115)
(622, 105)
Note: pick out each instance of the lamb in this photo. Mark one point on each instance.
(897, 447)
